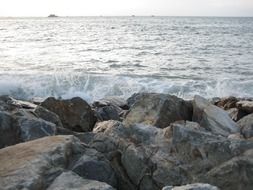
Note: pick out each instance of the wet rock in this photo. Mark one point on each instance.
(47, 115)
(71, 181)
(157, 109)
(35, 164)
(195, 186)
(75, 114)
(110, 109)
(93, 165)
(246, 106)
(213, 118)
(227, 103)
(246, 126)
(21, 126)
(236, 114)
(8, 103)
(112, 101)
(9, 133)
(107, 113)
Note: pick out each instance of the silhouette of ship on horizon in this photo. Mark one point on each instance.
(52, 16)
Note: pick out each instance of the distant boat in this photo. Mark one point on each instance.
(52, 16)
(133, 15)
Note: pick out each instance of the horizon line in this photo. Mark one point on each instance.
(151, 15)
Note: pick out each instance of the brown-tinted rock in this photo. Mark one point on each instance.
(246, 106)
(75, 114)
(236, 114)
(34, 165)
(158, 110)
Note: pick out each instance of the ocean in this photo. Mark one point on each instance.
(96, 57)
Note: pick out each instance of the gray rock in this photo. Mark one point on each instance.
(21, 126)
(32, 128)
(71, 181)
(213, 118)
(179, 154)
(35, 164)
(246, 126)
(236, 114)
(9, 133)
(110, 109)
(75, 114)
(158, 110)
(107, 113)
(245, 105)
(93, 165)
(235, 174)
(195, 186)
(8, 103)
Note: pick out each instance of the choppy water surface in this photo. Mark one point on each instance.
(94, 57)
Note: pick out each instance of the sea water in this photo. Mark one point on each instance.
(96, 57)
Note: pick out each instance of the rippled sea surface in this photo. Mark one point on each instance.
(94, 57)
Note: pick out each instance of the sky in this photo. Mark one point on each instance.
(126, 7)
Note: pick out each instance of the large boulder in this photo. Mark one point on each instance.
(21, 126)
(157, 109)
(195, 186)
(212, 117)
(34, 165)
(234, 174)
(182, 153)
(71, 181)
(93, 165)
(75, 114)
(246, 126)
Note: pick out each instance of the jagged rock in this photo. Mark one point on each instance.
(235, 174)
(152, 158)
(157, 109)
(236, 114)
(47, 115)
(93, 165)
(212, 117)
(34, 165)
(112, 101)
(9, 133)
(107, 113)
(71, 181)
(246, 126)
(8, 103)
(21, 126)
(75, 114)
(195, 186)
(110, 109)
(245, 105)
(227, 103)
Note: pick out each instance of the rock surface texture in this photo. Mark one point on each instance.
(149, 142)
(157, 109)
(75, 114)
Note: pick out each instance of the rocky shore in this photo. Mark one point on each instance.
(147, 142)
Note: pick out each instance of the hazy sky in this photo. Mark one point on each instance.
(126, 7)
